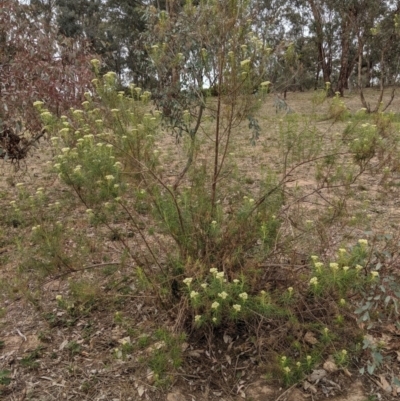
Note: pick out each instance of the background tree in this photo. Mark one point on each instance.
(37, 65)
(112, 28)
(377, 35)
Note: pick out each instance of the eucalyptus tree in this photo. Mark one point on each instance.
(378, 47)
(355, 38)
(125, 22)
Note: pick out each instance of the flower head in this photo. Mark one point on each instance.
(244, 296)
(223, 295)
(318, 266)
(188, 281)
(220, 275)
(215, 305)
(237, 307)
(334, 266)
(95, 63)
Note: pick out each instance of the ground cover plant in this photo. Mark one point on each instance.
(257, 253)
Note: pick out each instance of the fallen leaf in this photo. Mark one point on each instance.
(140, 390)
(386, 339)
(176, 396)
(125, 340)
(63, 344)
(330, 365)
(150, 376)
(392, 328)
(370, 339)
(317, 375)
(309, 387)
(156, 346)
(194, 354)
(310, 338)
(227, 339)
(384, 384)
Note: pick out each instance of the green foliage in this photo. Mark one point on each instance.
(165, 356)
(337, 109)
(298, 140)
(202, 53)
(85, 293)
(376, 356)
(343, 276)
(73, 348)
(5, 378)
(48, 234)
(217, 301)
(31, 360)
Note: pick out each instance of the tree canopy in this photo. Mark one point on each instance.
(350, 44)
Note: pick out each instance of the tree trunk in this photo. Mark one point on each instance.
(344, 59)
(323, 62)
